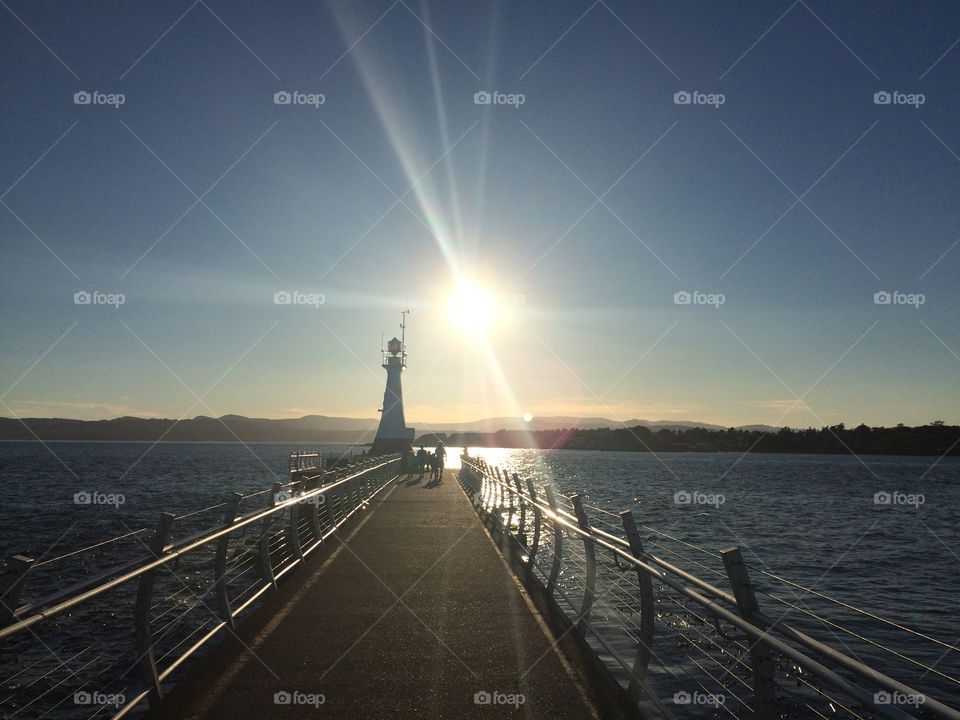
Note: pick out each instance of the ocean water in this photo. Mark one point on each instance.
(879, 533)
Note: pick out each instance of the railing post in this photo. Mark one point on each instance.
(509, 495)
(313, 516)
(141, 612)
(11, 585)
(590, 586)
(492, 491)
(537, 521)
(220, 559)
(331, 501)
(294, 535)
(353, 488)
(477, 486)
(522, 528)
(557, 542)
(764, 682)
(647, 608)
(266, 567)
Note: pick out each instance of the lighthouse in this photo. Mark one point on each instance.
(393, 435)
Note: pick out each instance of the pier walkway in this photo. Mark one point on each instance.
(410, 610)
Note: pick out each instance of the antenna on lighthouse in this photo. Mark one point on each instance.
(403, 336)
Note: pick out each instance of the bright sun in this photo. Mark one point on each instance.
(471, 309)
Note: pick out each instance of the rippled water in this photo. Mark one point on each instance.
(799, 515)
(812, 519)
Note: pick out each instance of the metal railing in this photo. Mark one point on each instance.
(315, 459)
(617, 593)
(183, 593)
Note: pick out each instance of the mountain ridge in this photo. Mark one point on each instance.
(306, 429)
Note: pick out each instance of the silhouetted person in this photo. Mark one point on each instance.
(439, 455)
(421, 461)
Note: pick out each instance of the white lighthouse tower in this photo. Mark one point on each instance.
(393, 435)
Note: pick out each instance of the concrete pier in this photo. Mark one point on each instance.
(410, 611)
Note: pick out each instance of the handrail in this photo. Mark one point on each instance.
(664, 571)
(64, 600)
(569, 522)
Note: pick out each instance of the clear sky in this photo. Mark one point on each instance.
(580, 213)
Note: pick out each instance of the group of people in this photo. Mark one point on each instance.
(432, 461)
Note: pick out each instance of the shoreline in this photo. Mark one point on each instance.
(935, 455)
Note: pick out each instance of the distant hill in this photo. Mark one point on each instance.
(229, 428)
(307, 429)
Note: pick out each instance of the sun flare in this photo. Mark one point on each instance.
(471, 309)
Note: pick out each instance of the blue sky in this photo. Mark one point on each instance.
(582, 212)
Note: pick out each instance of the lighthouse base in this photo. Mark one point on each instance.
(384, 446)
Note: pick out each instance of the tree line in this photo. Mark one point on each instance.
(937, 438)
